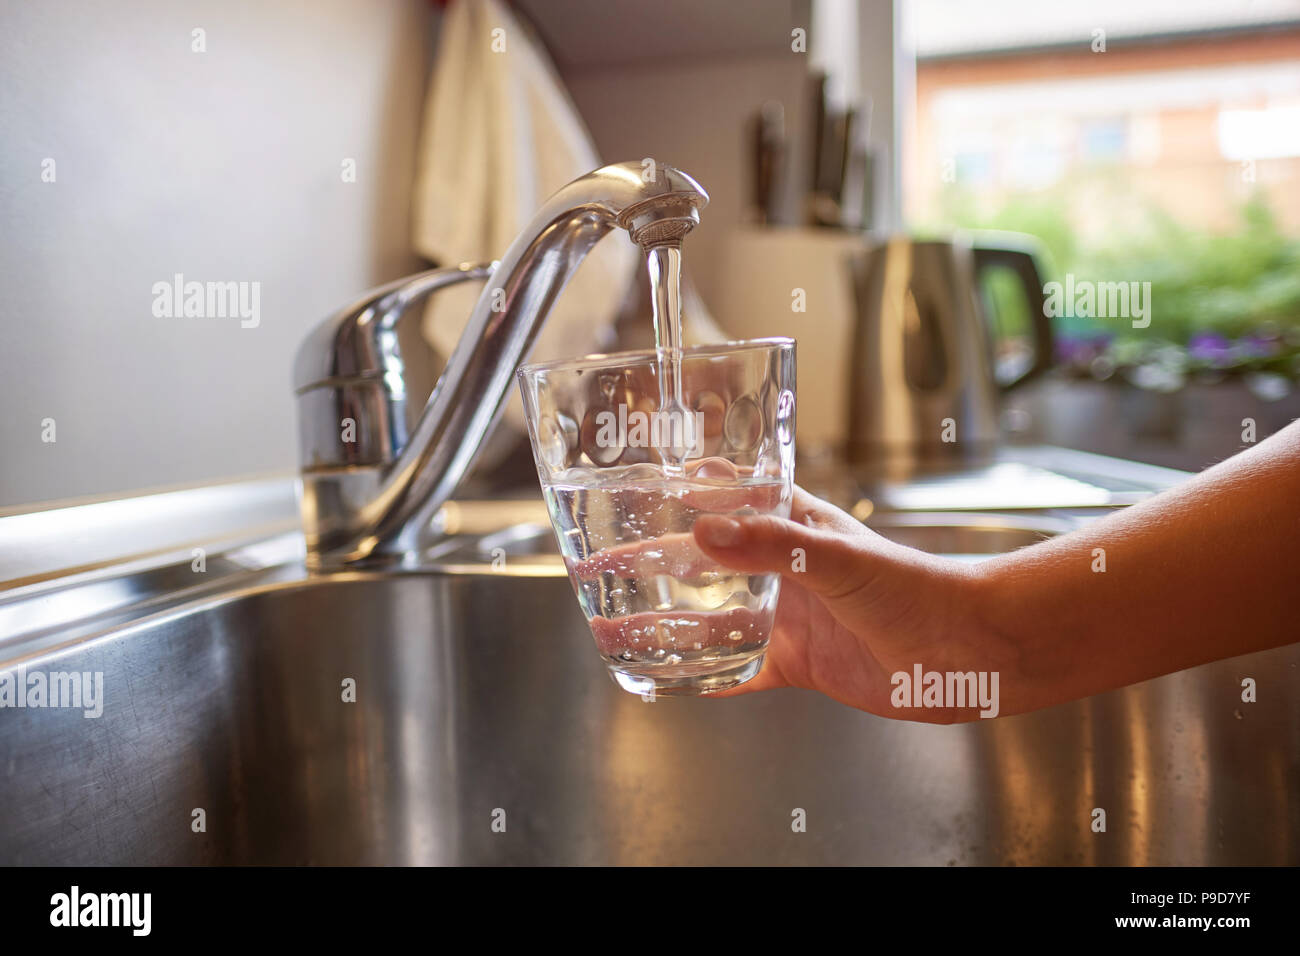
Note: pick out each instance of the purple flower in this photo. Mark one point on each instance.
(1259, 345)
(1211, 348)
(1080, 350)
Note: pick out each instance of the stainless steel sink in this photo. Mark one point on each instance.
(967, 536)
(480, 700)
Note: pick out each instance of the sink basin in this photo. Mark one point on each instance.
(967, 537)
(479, 698)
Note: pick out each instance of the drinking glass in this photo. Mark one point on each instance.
(627, 462)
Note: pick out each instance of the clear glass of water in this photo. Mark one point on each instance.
(629, 452)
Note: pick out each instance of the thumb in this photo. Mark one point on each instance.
(830, 565)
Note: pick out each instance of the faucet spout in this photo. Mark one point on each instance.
(393, 515)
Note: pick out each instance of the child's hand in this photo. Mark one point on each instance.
(1199, 573)
(855, 608)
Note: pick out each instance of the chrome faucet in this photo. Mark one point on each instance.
(371, 490)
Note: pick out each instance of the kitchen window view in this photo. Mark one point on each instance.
(704, 433)
(1167, 149)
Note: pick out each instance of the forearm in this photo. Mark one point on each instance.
(1205, 571)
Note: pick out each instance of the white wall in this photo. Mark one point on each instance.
(223, 165)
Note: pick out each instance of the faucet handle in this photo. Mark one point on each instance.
(349, 376)
(356, 341)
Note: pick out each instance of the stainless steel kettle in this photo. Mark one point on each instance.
(923, 380)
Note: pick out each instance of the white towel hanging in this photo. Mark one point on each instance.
(500, 135)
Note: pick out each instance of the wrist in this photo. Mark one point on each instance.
(1015, 636)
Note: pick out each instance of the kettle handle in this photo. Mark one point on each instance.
(1024, 264)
